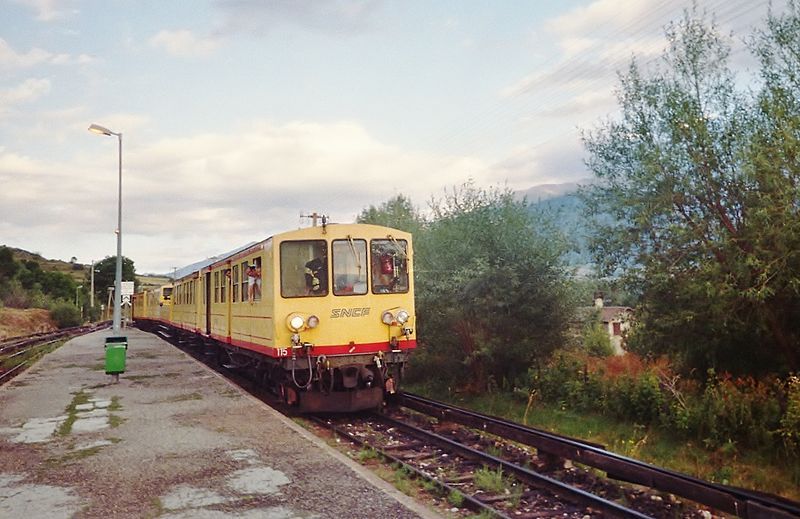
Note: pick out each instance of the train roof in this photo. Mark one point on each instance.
(328, 231)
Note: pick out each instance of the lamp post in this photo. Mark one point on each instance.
(76, 294)
(91, 292)
(94, 128)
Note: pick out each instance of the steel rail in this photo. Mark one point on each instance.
(474, 503)
(11, 371)
(557, 487)
(30, 342)
(732, 500)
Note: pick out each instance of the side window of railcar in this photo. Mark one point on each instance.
(244, 278)
(304, 268)
(254, 279)
(349, 267)
(235, 284)
(225, 278)
(216, 286)
(389, 266)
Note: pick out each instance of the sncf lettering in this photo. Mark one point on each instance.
(336, 313)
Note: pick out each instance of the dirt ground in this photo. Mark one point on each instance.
(16, 321)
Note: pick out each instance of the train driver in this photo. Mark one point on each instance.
(317, 275)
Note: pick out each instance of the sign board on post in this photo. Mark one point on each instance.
(126, 288)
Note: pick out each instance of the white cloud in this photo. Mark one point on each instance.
(11, 59)
(606, 17)
(601, 101)
(49, 10)
(191, 197)
(26, 92)
(331, 16)
(184, 43)
(555, 161)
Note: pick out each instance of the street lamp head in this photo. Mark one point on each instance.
(101, 130)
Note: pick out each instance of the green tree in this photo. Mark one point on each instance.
(398, 212)
(491, 288)
(8, 267)
(702, 181)
(58, 285)
(106, 274)
(30, 274)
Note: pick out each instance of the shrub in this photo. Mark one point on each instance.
(65, 315)
(741, 409)
(597, 341)
(14, 296)
(790, 422)
(723, 412)
(636, 397)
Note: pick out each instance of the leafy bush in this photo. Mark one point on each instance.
(597, 341)
(14, 296)
(722, 413)
(790, 422)
(65, 315)
(636, 397)
(741, 409)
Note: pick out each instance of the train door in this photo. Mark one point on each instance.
(207, 297)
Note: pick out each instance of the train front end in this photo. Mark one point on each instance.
(344, 315)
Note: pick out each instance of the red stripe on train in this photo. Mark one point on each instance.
(345, 349)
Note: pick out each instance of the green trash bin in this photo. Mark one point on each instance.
(116, 350)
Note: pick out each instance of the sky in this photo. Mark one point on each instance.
(240, 116)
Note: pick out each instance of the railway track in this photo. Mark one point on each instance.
(452, 449)
(21, 347)
(730, 500)
(499, 484)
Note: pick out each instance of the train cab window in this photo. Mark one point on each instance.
(349, 267)
(389, 263)
(304, 268)
(167, 294)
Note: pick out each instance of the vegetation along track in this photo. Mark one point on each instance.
(552, 449)
(488, 465)
(17, 353)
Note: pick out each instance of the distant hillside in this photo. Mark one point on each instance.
(544, 192)
(75, 270)
(561, 202)
(79, 271)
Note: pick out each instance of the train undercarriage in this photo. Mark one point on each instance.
(308, 382)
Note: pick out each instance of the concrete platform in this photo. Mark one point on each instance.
(171, 439)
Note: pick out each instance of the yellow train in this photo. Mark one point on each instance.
(323, 315)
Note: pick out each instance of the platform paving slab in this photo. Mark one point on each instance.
(171, 439)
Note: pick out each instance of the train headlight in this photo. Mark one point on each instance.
(402, 317)
(387, 317)
(313, 321)
(296, 322)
